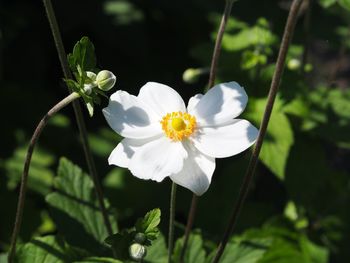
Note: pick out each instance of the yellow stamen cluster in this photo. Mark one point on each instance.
(178, 125)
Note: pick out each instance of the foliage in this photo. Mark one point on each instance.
(297, 207)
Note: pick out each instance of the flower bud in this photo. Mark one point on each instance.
(294, 64)
(89, 82)
(105, 80)
(137, 251)
(91, 77)
(191, 75)
(140, 238)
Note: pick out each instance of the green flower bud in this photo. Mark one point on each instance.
(91, 77)
(191, 75)
(140, 238)
(294, 64)
(89, 82)
(105, 80)
(137, 251)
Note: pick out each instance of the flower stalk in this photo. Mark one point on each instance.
(275, 83)
(212, 76)
(217, 48)
(171, 221)
(78, 113)
(23, 189)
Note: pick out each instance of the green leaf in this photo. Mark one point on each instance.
(40, 176)
(194, 252)
(83, 56)
(279, 136)
(157, 253)
(345, 4)
(148, 224)
(98, 260)
(75, 209)
(49, 249)
(244, 251)
(327, 3)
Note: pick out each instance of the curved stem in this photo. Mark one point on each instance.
(171, 221)
(78, 113)
(217, 48)
(189, 225)
(23, 188)
(288, 32)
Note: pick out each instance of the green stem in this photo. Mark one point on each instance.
(78, 113)
(276, 79)
(171, 221)
(217, 48)
(23, 189)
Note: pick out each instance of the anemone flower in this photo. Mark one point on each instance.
(164, 138)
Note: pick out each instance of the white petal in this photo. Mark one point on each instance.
(220, 104)
(227, 140)
(196, 173)
(131, 118)
(122, 154)
(161, 98)
(158, 159)
(193, 101)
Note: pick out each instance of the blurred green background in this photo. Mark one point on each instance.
(302, 182)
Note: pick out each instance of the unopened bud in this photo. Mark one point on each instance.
(140, 238)
(293, 64)
(105, 80)
(137, 251)
(89, 82)
(191, 75)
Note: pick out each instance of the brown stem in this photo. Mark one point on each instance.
(217, 48)
(288, 32)
(189, 226)
(23, 188)
(171, 221)
(212, 76)
(78, 113)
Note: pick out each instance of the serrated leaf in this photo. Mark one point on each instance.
(148, 224)
(83, 55)
(49, 249)
(195, 252)
(279, 136)
(75, 210)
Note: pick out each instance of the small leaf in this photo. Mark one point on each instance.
(157, 253)
(83, 56)
(148, 224)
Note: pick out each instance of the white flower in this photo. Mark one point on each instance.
(164, 138)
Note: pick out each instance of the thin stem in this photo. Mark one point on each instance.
(78, 113)
(212, 76)
(23, 188)
(217, 48)
(189, 225)
(171, 221)
(288, 32)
